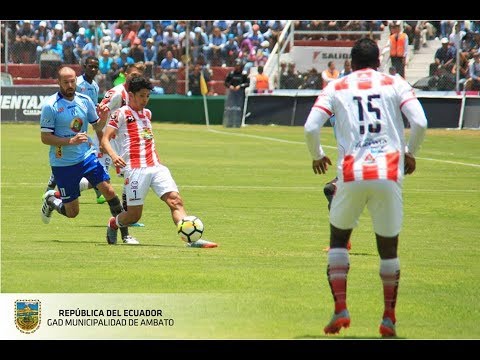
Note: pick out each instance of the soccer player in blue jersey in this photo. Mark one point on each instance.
(64, 122)
(88, 86)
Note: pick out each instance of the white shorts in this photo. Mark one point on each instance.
(383, 199)
(139, 181)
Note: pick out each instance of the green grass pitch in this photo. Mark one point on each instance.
(256, 193)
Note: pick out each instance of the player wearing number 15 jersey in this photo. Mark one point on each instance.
(372, 160)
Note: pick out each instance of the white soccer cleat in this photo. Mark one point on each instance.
(46, 211)
(130, 240)
(202, 244)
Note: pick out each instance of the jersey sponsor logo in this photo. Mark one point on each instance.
(130, 118)
(146, 134)
(60, 110)
(76, 125)
(134, 185)
(369, 159)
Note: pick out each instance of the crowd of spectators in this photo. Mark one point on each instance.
(161, 44)
(464, 40)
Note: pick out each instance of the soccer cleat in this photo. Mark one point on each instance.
(112, 230)
(202, 244)
(46, 208)
(130, 240)
(349, 246)
(137, 224)
(342, 319)
(387, 328)
(101, 199)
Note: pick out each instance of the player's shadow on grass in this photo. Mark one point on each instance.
(105, 244)
(340, 337)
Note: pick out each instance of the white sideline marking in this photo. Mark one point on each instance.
(259, 187)
(449, 161)
(334, 147)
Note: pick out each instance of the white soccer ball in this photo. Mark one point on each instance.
(190, 228)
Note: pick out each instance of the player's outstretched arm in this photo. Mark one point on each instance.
(413, 110)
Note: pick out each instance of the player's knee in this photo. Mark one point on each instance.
(72, 213)
(173, 199)
(107, 191)
(339, 237)
(329, 189)
(387, 246)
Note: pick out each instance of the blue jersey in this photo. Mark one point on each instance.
(91, 90)
(65, 118)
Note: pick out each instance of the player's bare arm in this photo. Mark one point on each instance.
(98, 127)
(107, 148)
(321, 166)
(49, 138)
(102, 112)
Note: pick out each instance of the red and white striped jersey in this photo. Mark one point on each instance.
(115, 98)
(368, 124)
(135, 137)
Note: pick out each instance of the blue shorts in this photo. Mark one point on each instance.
(68, 177)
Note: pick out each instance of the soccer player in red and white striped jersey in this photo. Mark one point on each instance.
(137, 156)
(372, 159)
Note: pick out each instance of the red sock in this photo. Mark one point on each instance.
(390, 275)
(337, 270)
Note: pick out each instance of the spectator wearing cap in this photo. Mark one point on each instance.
(58, 32)
(24, 47)
(230, 50)
(455, 38)
(398, 43)
(41, 38)
(199, 41)
(80, 42)
(261, 57)
(146, 32)
(444, 58)
(68, 47)
(113, 48)
(117, 36)
(150, 57)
